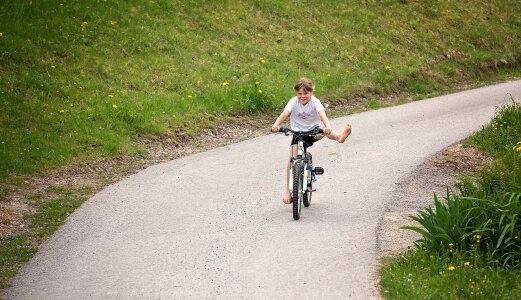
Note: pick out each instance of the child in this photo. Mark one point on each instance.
(306, 113)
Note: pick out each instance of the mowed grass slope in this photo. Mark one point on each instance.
(80, 79)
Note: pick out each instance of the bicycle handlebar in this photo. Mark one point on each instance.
(313, 131)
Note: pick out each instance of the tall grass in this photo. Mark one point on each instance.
(80, 79)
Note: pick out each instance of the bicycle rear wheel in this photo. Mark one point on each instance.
(306, 198)
(296, 196)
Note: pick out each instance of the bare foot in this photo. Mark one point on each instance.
(287, 198)
(343, 136)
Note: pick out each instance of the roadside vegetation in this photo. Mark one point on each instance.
(92, 79)
(471, 239)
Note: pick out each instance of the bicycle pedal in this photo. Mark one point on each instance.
(319, 170)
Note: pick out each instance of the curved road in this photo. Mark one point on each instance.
(212, 225)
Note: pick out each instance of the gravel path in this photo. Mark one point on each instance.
(212, 225)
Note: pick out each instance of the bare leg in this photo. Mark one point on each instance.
(287, 196)
(340, 137)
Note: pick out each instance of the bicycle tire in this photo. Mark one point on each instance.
(306, 198)
(296, 197)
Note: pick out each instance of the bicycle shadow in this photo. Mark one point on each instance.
(316, 213)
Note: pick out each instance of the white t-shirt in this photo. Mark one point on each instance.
(304, 117)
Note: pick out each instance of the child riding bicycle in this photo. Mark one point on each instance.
(306, 113)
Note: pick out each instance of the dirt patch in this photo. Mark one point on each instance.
(416, 191)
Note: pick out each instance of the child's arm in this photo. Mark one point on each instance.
(325, 121)
(283, 116)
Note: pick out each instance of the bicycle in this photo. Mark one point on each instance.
(301, 170)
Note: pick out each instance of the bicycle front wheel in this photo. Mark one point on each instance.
(296, 196)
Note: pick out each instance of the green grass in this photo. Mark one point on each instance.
(420, 274)
(83, 79)
(476, 230)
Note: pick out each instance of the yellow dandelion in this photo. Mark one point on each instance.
(451, 268)
(61, 111)
(262, 60)
(53, 66)
(466, 264)
(113, 23)
(226, 83)
(388, 68)
(111, 96)
(1, 34)
(450, 245)
(246, 74)
(189, 96)
(259, 91)
(257, 83)
(114, 106)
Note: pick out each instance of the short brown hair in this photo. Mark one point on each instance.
(304, 84)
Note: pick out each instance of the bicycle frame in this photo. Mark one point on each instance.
(300, 170)
(301, 156)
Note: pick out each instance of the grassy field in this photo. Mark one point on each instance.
(471, 240)
(83, 79)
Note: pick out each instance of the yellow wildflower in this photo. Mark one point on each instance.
(450, 245)
(112, 22)
(190, 96)
(466, 264)
(72, 105)
(257, 83)
(226, 83)
(246, 74)
(53, 66)
(259, 91)
(1, 34)
(111, 96)
(262, 60)
(61, 111)
(114, 106)
(451, 268)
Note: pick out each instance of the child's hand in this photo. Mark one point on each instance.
(275, 129)
(327, 130)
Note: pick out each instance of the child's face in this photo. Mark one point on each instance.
(304, 96)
